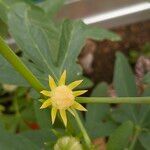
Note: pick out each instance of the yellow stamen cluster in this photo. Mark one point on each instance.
(62, 97)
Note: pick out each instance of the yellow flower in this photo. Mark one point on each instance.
(62, 98)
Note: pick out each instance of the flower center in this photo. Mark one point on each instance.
(62, 97)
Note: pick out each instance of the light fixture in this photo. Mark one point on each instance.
(117, 13)
(71, 1)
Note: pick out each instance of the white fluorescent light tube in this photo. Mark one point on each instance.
(117, 13)
(71, 1)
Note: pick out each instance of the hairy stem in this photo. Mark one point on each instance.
(125, 100)
(14, 60)
(83, 130)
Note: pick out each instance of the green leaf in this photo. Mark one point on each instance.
(36, 41)
(3, 29)
(145, 140)
(139, 114)
(51, 47)
(72, 41)
(43, 116)
(98, 122)
(139, 146)
(124, 80)
(15, 142)
(125, 86)
(145, 111)
(42, 138)
(87, 83)
(146, 78)
(120, 138)
(9, 75)
(7, 120)
(5, 5)
(72, 126)
(146, 91)
(100, 90)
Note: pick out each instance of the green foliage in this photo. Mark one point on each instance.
(146, 78)
(15, 142)
(6, 71)
(5, 5)
(124, 83)
(134, 54)
(3, 29)
(120, 138)
(56, 47)
(98, 120)
(43, 116)
(145, 140)
(20, 112)
(43, 139)
(48, 48)
(52, 47)
(124, 80)
(146, 49)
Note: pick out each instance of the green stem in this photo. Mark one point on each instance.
(14, 60)
(135, 137)
(126, 100)
(83, 130)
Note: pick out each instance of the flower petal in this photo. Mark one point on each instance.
(53, 114)
(63, 116)
(52, 83)
(46, 104)
(77, 93)
(63, 78)
(71, 111)
(78, 107)
(74, 84)
(46, 93)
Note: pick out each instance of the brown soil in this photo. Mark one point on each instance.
(133, 38)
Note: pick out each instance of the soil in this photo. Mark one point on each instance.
(97, 58)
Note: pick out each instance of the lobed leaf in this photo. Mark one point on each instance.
(51, 47)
